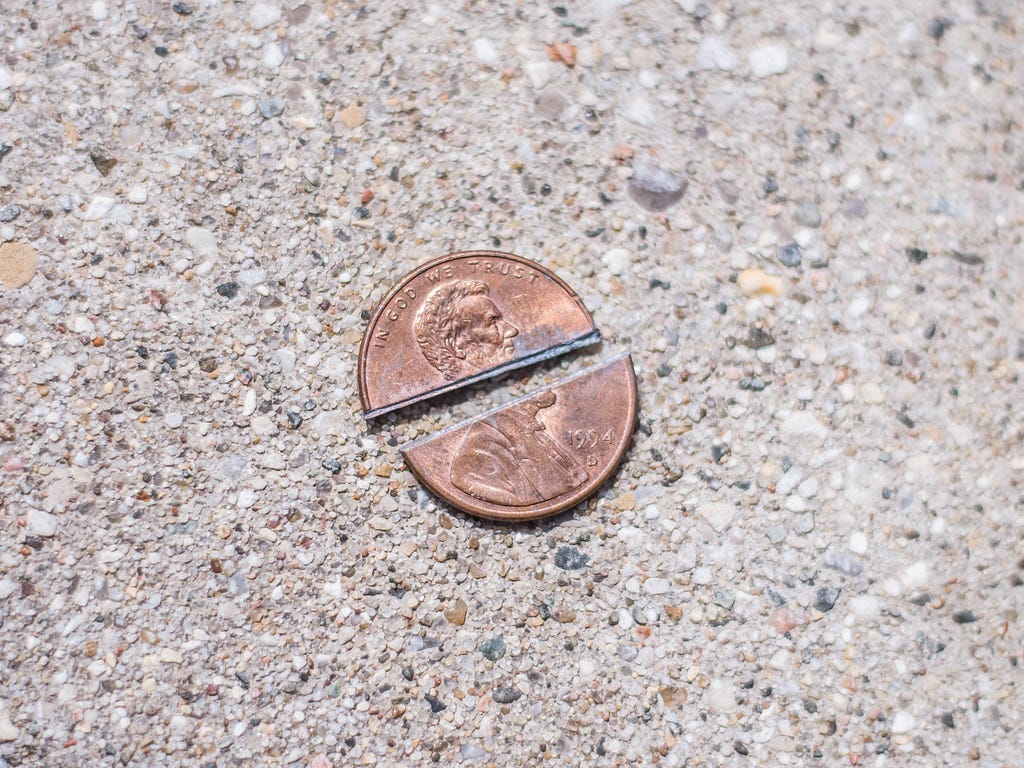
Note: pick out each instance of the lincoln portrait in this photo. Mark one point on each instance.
(461, 331)
(511, 459)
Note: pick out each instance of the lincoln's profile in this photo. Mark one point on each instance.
(461, 331)
(510, 458)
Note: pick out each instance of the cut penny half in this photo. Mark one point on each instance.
(538, 455)
(463, 318)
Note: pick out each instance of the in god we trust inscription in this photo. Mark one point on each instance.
(463, 318)
(538, 455)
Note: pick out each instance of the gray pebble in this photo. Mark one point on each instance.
(9, 213)
(570, 559)
(842, 562)
(505, 694)
(471, 752)
(808, 215)
(826, 598)
(493, 649)
(726, 598)
(270, 106)
(789, 255)
(654, 188)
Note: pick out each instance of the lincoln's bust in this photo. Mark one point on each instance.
(460, 331)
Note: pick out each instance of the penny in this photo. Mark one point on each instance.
(464, 318)
(538, 455)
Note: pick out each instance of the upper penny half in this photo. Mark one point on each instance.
(463, 318)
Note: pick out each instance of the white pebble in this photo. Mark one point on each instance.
(719, 514)
(858, 543)
(859, 306)
(8, 730)
(15, 339)
(803, 425)
(640, 111)
(903, 722)
(657, 586)
(616, 260)
(715, 53)
(780, 660)
(84, 325)
(246, 498)
(138, 194)
(100, 206)
(768, 60)
(273, 56)
(721, 696)
(99, 10)
(865, 606)
(201, 241)
(485, 51)
(174, 420)
(915, 575)
(263, 15)
(538, 73)
(40, 523)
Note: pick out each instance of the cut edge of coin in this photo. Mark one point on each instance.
(568, 343)
(556, 504)
(557, 350)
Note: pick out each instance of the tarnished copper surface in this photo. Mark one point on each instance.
(463, 318)
(538, 455)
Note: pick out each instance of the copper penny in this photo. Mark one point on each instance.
(463, 318)
(539, 454)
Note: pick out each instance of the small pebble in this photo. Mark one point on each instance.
(505, 695)
(485, 52)
(655, 188)
(570, 559)
(262, 15)
(782, 620)
(755, 282)
(471, 752)
(40, 523)
(352, 116)
(18, 262)
(270, 106)
(768, 60)
(825, 599)
(9, 213)
(789, 255)
(455, 612)
(965, 616)
(808, 215)
(902, 722)
(719, 514)
(493, 649)
(616, 260)
(715, 53)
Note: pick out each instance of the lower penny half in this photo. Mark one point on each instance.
(538, 455)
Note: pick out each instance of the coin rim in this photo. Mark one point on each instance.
(548, 509)
(577, 342)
